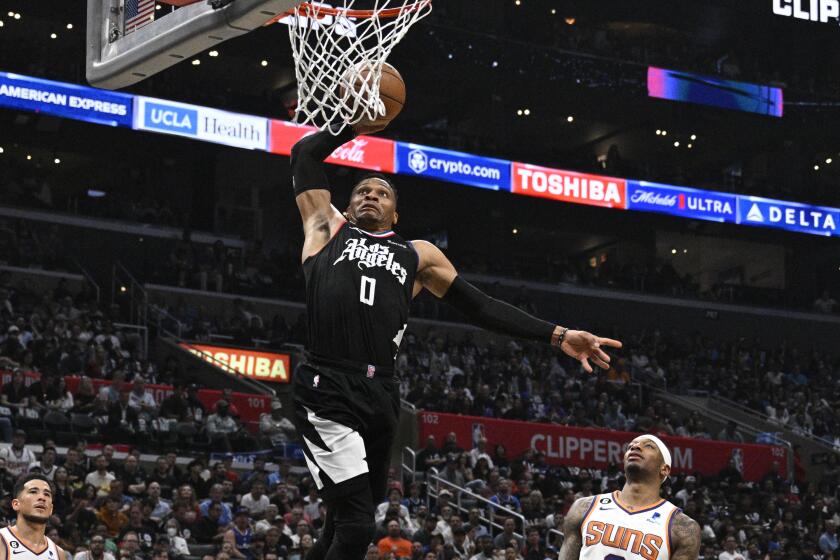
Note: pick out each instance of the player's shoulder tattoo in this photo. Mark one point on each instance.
(578, 511)
(685, 538)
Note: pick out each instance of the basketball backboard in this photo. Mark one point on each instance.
(129, 40)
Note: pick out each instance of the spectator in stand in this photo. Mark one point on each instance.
(18, 457)
(430, 456)
(533, 549)
(195, 479)
(828, 540)
(393, 506)
(163, 477)
(255, 501)
(138, 523)
(183, 406)
(46, 466)
(160, 508)
(224, 430)
(216, 498)
(100, 478)
(15, 395)
(133, 477)
(211, 528)
(486, 549)
(508, 535)
(480, 452)
(111, 516)
(96, 550)
(241, 533)
(276, 429)
(450, 446)
(130, 547)
(731, 433)
(504, 498)
(394, 543)
(143, 404)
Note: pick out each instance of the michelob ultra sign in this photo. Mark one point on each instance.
(260, 366)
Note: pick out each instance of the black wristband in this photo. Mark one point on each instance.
(495, 315)
(308, 155)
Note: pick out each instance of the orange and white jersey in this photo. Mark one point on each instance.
(611, 531)
(16, 550)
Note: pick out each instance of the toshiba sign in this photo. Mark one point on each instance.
(262, 366)
(568, 186)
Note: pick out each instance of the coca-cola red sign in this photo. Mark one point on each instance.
(364, 152)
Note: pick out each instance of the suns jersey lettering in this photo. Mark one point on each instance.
(358, 294)
(16, 550)
(610, 530)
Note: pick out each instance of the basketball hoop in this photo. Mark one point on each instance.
(339, 53)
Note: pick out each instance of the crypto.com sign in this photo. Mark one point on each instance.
(823, 11)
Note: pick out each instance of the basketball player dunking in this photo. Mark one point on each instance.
(360, 279)
(635, 523)
(32, 499)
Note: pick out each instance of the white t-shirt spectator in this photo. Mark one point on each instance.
(17, 462)
(102, 483)
(136, 401)
(85, 555)
(733, 556)
(255, 506)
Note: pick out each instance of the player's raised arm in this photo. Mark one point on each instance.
(685, 538)
(436, 273)
(312, 189)
(572, 541)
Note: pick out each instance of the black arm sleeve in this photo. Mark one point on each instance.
(495, 315)
(308, 155)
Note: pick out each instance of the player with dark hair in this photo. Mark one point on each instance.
(360, 279)
(636, 522)
(32, 499)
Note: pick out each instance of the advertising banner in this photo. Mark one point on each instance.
(569, 186)
(707, 90)
(250, 406)
(363, 152)
(261, 366)
(201, 123)
(596, 448)
(65, 100)
(453, 167)
(682, 202)
(790, 216)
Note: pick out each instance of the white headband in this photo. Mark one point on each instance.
(666, 455)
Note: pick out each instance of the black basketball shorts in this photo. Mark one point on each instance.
(346, 418)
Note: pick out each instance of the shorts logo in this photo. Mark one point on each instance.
(371, 371)
(316, 380)
(418, 161)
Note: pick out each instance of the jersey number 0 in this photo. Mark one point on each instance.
(368, 290)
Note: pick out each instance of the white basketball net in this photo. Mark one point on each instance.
(338, 58)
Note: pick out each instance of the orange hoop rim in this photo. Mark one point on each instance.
(309, 10)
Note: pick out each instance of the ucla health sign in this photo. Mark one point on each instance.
(65, 100)
(791, 216)
(453, 167)
(201, 123)
(681, 201)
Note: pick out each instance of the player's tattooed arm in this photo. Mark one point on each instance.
(685, 538)
(572, 529)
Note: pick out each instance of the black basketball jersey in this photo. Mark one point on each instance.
(358, 293)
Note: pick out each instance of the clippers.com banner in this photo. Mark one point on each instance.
(249, 406)
(569, 186)
(261, 366)
(594, 448)
(363, 152)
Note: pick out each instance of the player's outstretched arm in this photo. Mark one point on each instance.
(572, 541)
(312, 189)
(436, 273)
(685, 538)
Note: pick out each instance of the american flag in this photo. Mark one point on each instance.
(138, 13)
